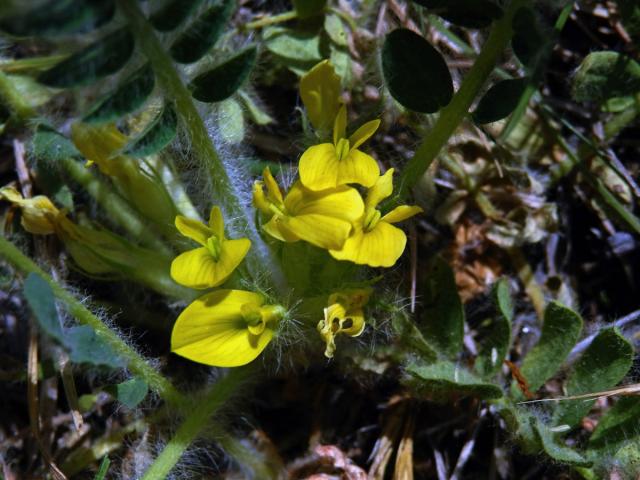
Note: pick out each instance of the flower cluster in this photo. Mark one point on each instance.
(324, 207)
(334, 205)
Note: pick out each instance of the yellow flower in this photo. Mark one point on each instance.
(320, 93)
(374, 241)
(323, 219)
(38, 213)
(226, 328)
(211, 264)
(344, 314)
(329, 165)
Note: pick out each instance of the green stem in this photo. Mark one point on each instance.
(196, 422)
(452, 115)
(135, 363)
(26, 65)
(534, 78)
(117, 208)
(258, 258)
(610, 201)
(21, 110)
(270, 20)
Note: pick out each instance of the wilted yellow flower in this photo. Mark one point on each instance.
(39, 214)
(212, 263)
(323, 219)
(344, 314)
(103, 146)
(226, 328)
(329, 165)
(320, 93)
(374, 241)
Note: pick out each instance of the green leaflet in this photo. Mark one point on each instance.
(529, 39)
(130, 392)
(554, 449)
(102, 58)
(128, 96)
(443, 380)
(560, 332)
(618, 424)
(604, 75)
(500, 100)
(308, 8)
(157, 135)
(495, 335)
(335, 29)
(85, 346)
(40, 298)
(415, 73)
(442, 317)
(605, 362)
(82, 342)
(59, 17)
(202, 34)
(466, 13)
(172, 14)
(300, 46)
(223, 80)
(411, 336)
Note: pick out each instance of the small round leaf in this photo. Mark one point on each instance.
(415, 73)
(222, 81)
(501, 99)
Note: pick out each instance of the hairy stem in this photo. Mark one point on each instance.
(270, 20)
(258, 258)
(135, 363)
(196, 421)
(452, 115)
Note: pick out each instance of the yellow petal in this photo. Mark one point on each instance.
(260, 199)
(12, 195)
(380, 247)
(273, 190)
(319, 230)
(193, 229)
(320, 93)
(277, 229)
(401, 213)
(344, 203)
(353, 323)
(362, 134)
(382, 189)
(358, 167)
(319, 167)
(39, 214)
(340, 125)
(198, 269)
(98, 144)
(216, 222)
(213, 331)
(329, 326)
